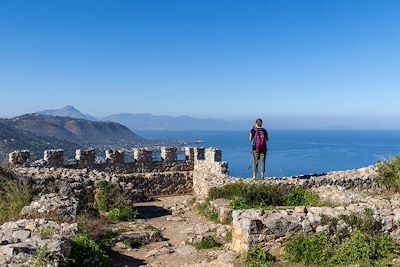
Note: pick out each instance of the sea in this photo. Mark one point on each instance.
(294, 152)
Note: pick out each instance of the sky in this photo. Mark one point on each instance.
(229, 59)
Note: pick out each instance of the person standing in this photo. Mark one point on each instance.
(259, 137)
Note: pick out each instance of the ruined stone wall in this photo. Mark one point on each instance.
(151, 177)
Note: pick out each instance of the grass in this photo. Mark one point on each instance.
(14, 195)
(389, 174)
(207, 243)
(246, 196)
(205, 209)
(46, 232)
(258, 257)
(123, 215)
(325, 250)
(86, 252)
(43, 258)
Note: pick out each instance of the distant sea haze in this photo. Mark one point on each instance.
(293, 153)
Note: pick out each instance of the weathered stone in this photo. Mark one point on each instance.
(85, 157)
(54, 204)
(213, 154)
(19, 157)
(54, 158)
(115, 156)
(223, 208)
(322, 229)
(169, 154)
(26, 239)
(143, 155)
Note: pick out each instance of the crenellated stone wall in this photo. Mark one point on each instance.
(154, 177)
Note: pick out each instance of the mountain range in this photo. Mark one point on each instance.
(38, 132)
(146, 121)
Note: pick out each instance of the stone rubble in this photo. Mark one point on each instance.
(20, 240)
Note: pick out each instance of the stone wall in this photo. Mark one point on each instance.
(152, 177)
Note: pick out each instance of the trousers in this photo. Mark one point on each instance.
(259, 160)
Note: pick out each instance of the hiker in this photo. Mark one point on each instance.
(259, 137)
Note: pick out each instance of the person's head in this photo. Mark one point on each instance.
(259, 122)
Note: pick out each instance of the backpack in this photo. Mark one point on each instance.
(260, 140)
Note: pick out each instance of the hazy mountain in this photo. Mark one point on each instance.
(75, 130)
(152, 122)
(67, 111)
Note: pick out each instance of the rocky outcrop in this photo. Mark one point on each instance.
(21, 241)
(54, 205)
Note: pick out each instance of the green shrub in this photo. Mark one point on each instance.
(389, 174)
(85, 252)
(308, 250)
(301, 197)
(14, 195)
(207, 243)
(238, 203)
(122, 215)
(109, 196)
(204, 208)
(324, 250)
(245, 196)
(366, 223)
(257, 257)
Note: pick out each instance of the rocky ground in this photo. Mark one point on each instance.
(180, 225)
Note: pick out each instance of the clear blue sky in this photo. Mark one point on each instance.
(219, 58)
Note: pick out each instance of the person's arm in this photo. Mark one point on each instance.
(251, 136)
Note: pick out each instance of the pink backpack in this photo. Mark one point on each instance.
(260, 139)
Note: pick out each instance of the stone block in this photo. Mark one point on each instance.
(85, 157)
(169, 154)
(142, 155)
(213, 154)
(19, 157)
(115, 156)
(54, 158)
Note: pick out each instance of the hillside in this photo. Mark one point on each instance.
(13, 139)
(39, 132)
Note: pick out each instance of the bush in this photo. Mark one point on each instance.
(323, 250)
(301, 197)
(125, 214)
(207, 243)
(366, 223)
(245, 196)
(14, 195)
(389, 174)
(85, 252)
(95, 226)
(257, 257)
(109, 196)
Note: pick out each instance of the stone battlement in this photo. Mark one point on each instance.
(143, 160)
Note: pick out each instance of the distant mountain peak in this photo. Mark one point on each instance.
(67, 111)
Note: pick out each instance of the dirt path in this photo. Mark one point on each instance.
(175, 217)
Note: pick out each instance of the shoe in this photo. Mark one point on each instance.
(262, 176)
